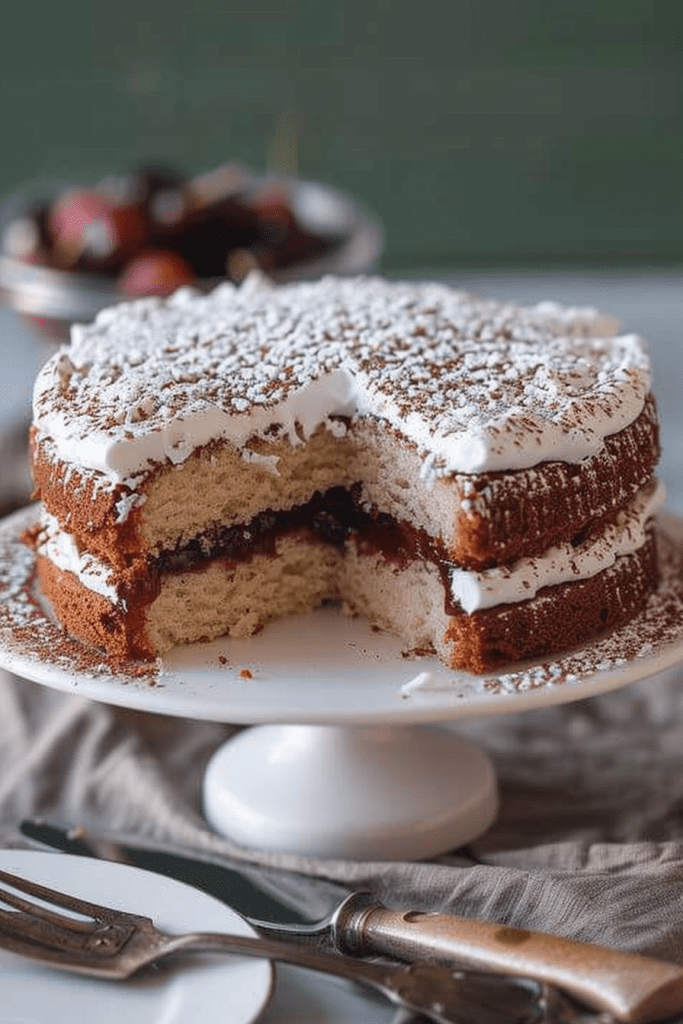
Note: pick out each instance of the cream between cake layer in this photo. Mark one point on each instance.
(561, 563)
(471, 590)
(149, 382)
(61, 549)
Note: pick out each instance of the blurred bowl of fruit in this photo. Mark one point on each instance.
(67, 251)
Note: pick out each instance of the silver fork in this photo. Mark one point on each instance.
(107, 943)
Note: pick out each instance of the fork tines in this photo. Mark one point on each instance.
(97, 928)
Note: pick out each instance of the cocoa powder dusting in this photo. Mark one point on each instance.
(659, 625)
(28, 634)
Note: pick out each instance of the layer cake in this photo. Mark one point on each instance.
(475, 476)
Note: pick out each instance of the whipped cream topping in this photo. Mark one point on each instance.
(562, 563)
(476, 385)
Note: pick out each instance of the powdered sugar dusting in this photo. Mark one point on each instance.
(477, 385)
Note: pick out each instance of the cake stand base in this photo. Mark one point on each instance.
(362, 793)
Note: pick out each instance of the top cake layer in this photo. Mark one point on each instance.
(477, 385)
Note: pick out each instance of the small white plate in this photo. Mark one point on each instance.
(188, 993)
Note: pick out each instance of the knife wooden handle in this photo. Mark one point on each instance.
(633, 988)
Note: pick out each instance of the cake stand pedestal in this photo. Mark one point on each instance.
(344, 757)
(364, 793)
(348, 754)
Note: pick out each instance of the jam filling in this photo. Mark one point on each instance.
(331, 518)
(334, 517)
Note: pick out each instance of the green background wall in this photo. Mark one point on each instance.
(480, 131)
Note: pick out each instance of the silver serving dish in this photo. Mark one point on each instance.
(54, 299)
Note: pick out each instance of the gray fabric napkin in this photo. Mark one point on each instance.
(588, 844)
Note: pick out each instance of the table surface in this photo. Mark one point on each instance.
(648, 302)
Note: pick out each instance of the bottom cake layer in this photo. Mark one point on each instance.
(238, 597)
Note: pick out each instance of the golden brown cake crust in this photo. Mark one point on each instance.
(91, 617)
(557, 619)
(514, 515)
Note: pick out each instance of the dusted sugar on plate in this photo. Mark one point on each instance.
(474, 476)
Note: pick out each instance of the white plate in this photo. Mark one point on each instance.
(181, 994)
(324, 668)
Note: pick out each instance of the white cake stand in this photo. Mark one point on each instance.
(348, 755)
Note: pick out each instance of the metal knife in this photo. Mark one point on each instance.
(631, 987)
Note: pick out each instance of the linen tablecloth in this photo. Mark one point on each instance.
(588, 843)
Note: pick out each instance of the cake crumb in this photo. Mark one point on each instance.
(422, 681)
